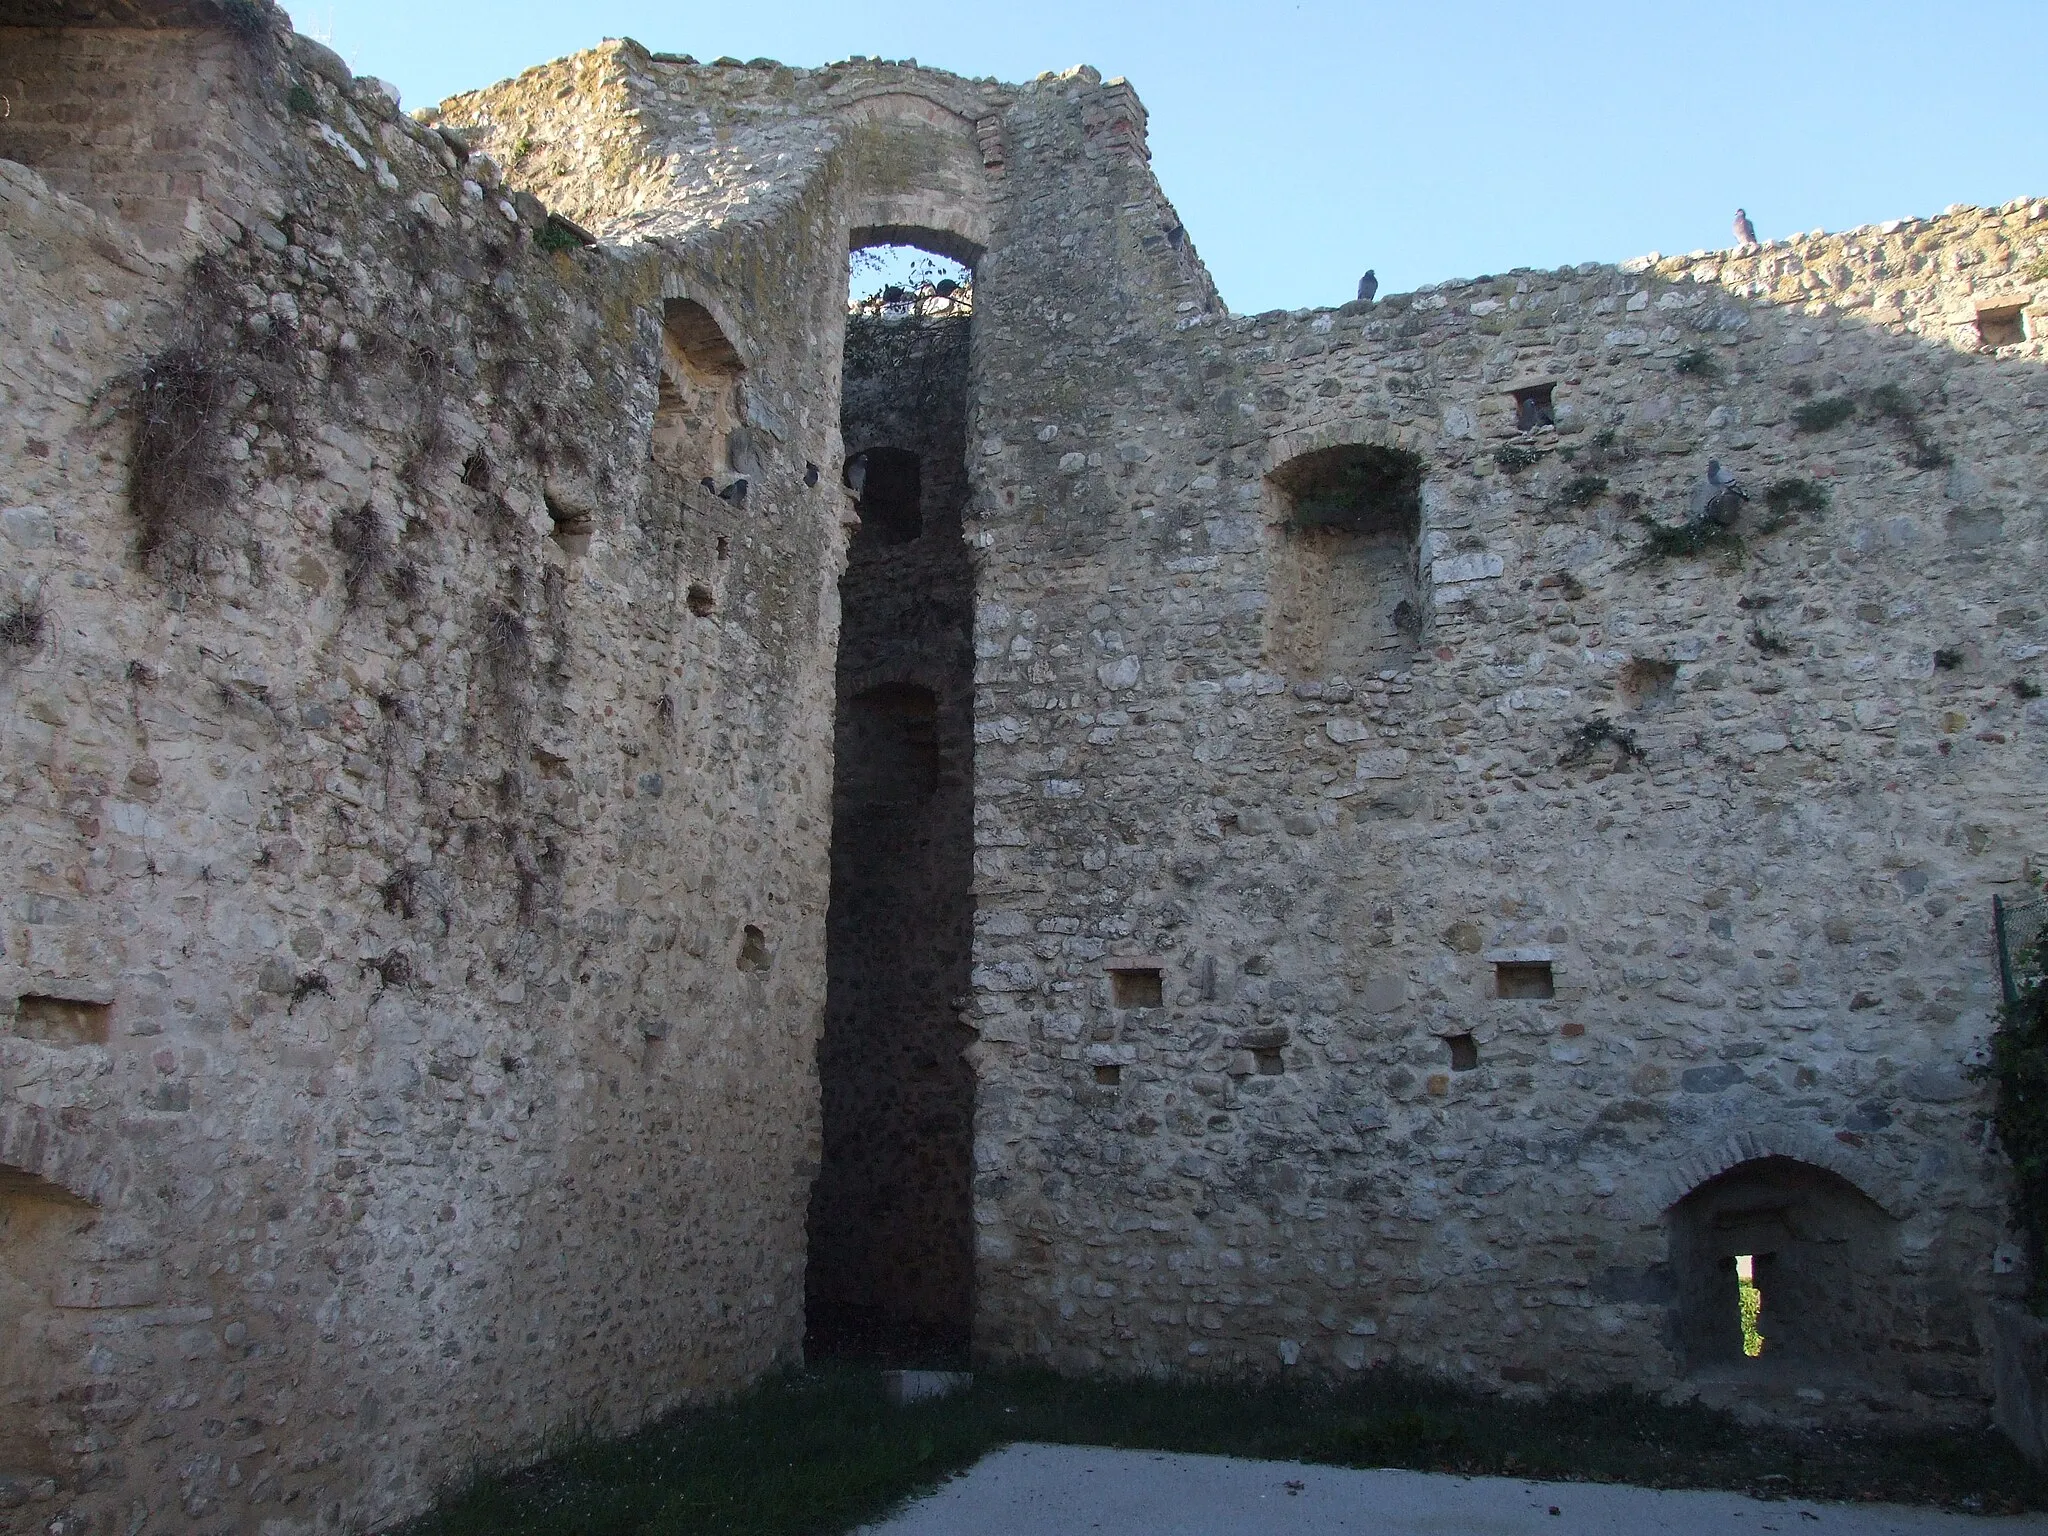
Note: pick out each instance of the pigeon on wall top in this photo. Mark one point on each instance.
(1745, 232)
(1368, 285)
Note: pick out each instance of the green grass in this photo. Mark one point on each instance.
(817, 1452)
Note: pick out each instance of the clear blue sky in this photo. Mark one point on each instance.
(1304, 142)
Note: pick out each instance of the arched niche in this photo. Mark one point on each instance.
(697, 400)
(42, 1227)
(1344, 523)
(1822, 1254)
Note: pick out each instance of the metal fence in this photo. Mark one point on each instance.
(2021, 923)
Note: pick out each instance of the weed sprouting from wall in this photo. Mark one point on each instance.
(2019, 1066)
(1695, 536)
(2025, 689)
(23, 622)
(1514, 458)
(1825, 414)
(1893, 405)
(1581, 491)
(1697, 364)
(1788, 498)
(1590, 737)
(1948, 659)
(1766, 642)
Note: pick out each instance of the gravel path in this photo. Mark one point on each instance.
(1055, 1490)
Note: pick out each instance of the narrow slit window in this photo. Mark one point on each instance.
(1523, 978)
(1533, 407)
(1137, 988)
(1749, 1304)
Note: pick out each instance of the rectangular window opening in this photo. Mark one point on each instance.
(1137, 988)
(1533, 407)
(61, 1020)
(2005, 326)
(1464, 1052)
(1523, 978)
(1750, 1304)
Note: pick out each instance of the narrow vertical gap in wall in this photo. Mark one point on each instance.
(891, 1258)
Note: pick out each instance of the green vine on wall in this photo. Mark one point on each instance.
(2019, 1066)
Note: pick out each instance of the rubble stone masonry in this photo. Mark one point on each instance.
(1445, 935)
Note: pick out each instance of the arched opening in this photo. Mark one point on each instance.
(40, 1224)
(1346, 592)
(697, 401)
(891, 495)
(1785, 1278)
(891, 1221)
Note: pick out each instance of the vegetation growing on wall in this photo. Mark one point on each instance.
(2019, 1066)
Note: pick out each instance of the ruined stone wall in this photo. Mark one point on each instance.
(891, 1254)
(152, 124)
(1760, 886)
(416, 802)
(418, 785)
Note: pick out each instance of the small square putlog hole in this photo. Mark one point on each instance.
(1267, 1060)
(2005, 326)
(1523, 978)
(60, 1020)
(1109, 1076)
(1137, 989)
(1533, 407)
(1464, 1053)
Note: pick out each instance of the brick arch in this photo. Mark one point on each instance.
(83, 1165)
(1662, 1183)
(1286, 447)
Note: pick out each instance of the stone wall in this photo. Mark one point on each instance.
(426, 792)
(152, 124)
(1746, 805)
(419, 774)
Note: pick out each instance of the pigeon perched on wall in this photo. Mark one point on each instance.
(856, 475)
(1368, 285)
(1745, 232)
(1717, 498)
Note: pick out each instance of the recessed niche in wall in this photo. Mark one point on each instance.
(1137, 988)
(891, 496)
(1523, 978)
(1464, 1052)
(753, 949)
(1267, 1062)
(697, 394)
(572, 528)
(1534, 408)
(1345, 577)
(59, 1020)
(888, 746)
(2002, 326)
(1109, 1076)
(1646, 680)
(700, 600)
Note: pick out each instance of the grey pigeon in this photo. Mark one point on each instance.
(1717, 498)
(857, 474)
(1368, 285)
(1745, 232)
(736, 493)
